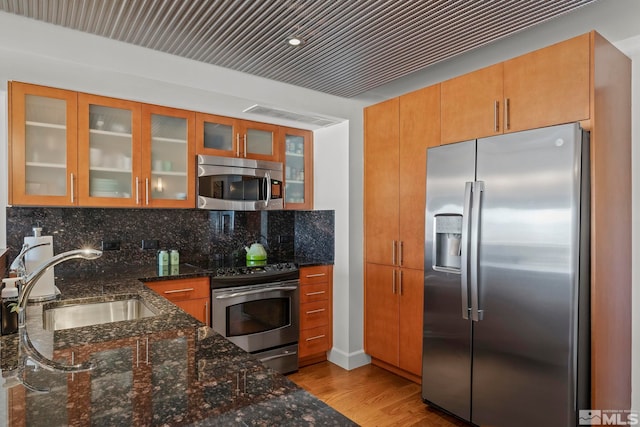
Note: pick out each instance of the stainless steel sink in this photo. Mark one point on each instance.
(95, 313)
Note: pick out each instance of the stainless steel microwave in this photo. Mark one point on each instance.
(229, 183)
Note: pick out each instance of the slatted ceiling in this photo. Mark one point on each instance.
(351, 46)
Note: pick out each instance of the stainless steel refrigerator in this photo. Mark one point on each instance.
(506, 301)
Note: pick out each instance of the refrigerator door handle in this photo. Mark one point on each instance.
(478, 189)
(464, 251)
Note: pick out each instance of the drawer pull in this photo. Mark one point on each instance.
(308, 276)
(320, 310)
(315, 293)
(175, 291)
(315, 338)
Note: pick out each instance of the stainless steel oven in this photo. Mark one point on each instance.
(261, 318)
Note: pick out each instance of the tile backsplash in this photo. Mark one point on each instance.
(199, 235)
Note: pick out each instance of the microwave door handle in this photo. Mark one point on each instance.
(267, 178)
(257, 291)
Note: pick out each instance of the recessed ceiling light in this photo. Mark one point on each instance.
(295, 41)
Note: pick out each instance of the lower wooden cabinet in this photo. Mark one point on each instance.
(191, 295)
(316, 314)
(393, 318)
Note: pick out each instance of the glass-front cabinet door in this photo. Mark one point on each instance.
(298, 175)
(228, 137)
(259, 141)
(108, 152)
(217, 136)
(168, 154)
(43, 145)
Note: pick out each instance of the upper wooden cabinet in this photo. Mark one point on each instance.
(397, 135)
(543, 88)
(76, 149)
(43, 145)
(109, 152)
(168, 153)
(225, 136)
(298, 164)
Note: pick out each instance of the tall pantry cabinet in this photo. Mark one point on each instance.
(397, 135)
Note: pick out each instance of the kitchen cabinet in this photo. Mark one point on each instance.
(191, 295)
(316, 314)
(228, 137)
(393, 313)
(43, 149)
(397, 135)
(298, 163)
(109, 152)
(76, 149)
(546, 87)
(168, 152)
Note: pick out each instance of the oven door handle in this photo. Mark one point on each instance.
(256, 291)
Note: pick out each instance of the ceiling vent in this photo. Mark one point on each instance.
(276, 113)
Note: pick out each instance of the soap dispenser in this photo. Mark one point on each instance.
(9, 307)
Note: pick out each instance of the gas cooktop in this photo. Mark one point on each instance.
(237, 272)
(280, 267)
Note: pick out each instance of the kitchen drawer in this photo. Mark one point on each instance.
(317, 292)
(313, 341)
(317, 274)
(182, 289)
(314, 314)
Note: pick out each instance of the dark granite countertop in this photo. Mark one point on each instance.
(168, 369)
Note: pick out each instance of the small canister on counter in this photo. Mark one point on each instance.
(174, 257)
(163, 262)
(174, 261)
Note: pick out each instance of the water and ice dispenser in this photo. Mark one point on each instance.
(446, 244)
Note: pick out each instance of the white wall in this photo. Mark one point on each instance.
(331, 190)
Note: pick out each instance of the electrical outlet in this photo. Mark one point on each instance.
(285, 238)
(150, 244)
(111, 245)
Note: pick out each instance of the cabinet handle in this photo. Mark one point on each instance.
(401, 253)
(393, 282)
(146, 190)
(496, 114)
(245, 145)
(400, 282)
(308, 276)
(237, 145)
(137, 191)
(316, 338)
(147, 347)
(175, 291)
(507, 121)
(206, 312)
(314, 293)
(137, 353)
(73, 189)
(394, 246)
(320, 310)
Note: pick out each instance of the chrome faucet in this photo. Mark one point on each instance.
(27, 283)
(17, 265)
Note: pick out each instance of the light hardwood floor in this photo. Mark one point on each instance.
(370, 396)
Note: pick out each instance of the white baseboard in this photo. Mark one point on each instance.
(348, 361)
